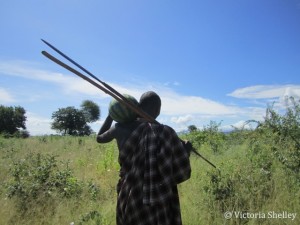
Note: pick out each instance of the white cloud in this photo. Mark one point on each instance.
(172, 102)
(266, 91)
(69, 84)
(267, 95)
(37, 125)
(5, 96)
(182, 119)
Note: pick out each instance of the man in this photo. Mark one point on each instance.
(153, 161)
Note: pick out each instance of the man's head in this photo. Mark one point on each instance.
(150, 103)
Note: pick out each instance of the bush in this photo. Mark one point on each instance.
(265, 164)
(38, 177)
(285, 135)
(210, 136)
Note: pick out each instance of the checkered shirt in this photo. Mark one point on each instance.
(153, 161)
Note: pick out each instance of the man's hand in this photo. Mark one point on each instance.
(187, 145)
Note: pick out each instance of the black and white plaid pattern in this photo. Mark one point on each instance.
(153, 161)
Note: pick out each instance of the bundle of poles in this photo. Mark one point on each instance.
(105, 88)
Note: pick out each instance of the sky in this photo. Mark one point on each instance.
(209, 60)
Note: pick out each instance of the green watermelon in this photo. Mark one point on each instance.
(120, 112)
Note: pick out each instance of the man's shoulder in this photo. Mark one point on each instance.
(129, 125)
(167, 128)
(164, 131)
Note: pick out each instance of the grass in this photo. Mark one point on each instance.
(91, 164)
(240, 185)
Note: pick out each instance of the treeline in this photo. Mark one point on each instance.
(66, 121)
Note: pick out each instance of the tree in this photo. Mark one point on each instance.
(70, 121)
(12, 119)
(74, 121)
(91, 111)
(192, 128)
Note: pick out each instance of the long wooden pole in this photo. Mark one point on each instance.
(111, 89)
(107, 89)
(133, 107)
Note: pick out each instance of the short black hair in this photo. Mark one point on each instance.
(150, 102)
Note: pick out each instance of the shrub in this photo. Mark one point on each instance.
(285, 135)
(39, 177)
(210, 135)
(89, 217)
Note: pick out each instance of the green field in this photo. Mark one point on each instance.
(65, 179)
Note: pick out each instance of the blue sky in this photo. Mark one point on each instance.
(208, 60)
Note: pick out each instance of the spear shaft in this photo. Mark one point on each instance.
(105, 88)
(110, 89)
(112, 94)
